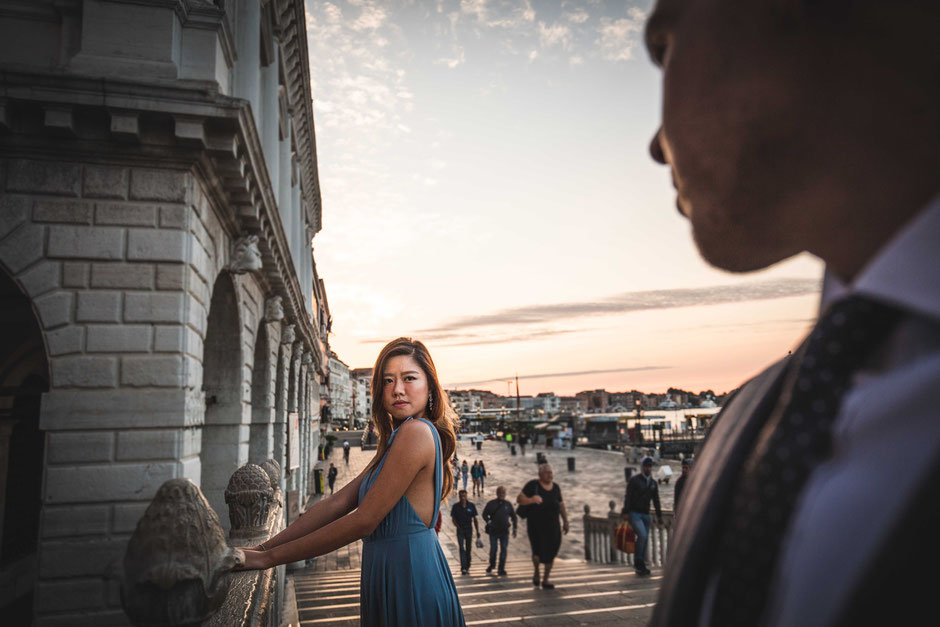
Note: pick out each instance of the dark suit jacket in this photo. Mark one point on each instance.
(890, 593)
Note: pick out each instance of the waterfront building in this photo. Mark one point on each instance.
(361, 396)
(162, 313)
(595, 401)
(341, 393)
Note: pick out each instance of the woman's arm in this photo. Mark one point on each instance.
(564, 515)
(524, 499)
(412, 451)
(322, 513)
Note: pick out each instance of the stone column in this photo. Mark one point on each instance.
(270, 131)
(248, 46)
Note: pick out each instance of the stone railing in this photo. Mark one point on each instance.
(178, 568)
(599, 543)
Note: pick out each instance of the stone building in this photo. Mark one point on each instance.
(162, 313)
(341, 392)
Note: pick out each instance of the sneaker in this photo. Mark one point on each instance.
(464, 571)
(502, 573)
(643, 573)
(489, 569)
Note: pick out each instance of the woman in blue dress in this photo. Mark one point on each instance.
(393, 504)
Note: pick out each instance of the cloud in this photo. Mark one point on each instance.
(635, 301)
(578, 16)
(617, 38)
(550, 375)
(554, 35)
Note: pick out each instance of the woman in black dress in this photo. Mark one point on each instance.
(542, 499)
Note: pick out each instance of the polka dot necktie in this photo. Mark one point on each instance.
(797, 437)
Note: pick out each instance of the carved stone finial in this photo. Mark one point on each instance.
(246, 257)
(273, 309)
(274, 473)
(176, 560)
(249, 496)
(288, 335)
(612, 505)
(587, 509)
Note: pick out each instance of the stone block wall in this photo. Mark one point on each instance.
(120, 263)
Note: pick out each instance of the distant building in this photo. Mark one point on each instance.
(341, 392)
(361, 382)
(595, 401)
(571, 405)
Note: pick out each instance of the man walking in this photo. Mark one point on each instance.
(497, 515)
(812, 126)
(464, 516)
(346, 451)
(331, 476)
(641, 489)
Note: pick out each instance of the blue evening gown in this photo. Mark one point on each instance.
(405, 577)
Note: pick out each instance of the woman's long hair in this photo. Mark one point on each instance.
(439, 414)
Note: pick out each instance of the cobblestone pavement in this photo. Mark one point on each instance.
(328, 590)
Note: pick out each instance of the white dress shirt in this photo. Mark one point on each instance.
(886, 435)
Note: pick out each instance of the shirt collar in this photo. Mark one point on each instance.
(903, 272)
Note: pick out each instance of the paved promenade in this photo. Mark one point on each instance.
(586, 593)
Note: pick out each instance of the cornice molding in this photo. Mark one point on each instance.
(187, 128)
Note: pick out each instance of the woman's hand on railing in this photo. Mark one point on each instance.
(256, 560)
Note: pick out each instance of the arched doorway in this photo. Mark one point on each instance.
(24, 377)
(224, 434)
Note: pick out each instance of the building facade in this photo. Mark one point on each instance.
(158, 198)
(341, 392)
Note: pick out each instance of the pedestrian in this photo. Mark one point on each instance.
(542, 501)
(641, 490)
(820, 134)
(465, 472)
(680, 486)
(481, 470)
(496, 515)
(464, 516)
(331, 476)
(392, 504)
(475, 476)
(523, 440)
(346, 451)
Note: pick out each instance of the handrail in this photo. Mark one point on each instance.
(599, 545)
(178, 564)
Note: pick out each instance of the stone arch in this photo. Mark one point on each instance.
(261, 446)
(24, 378)
(224, 435)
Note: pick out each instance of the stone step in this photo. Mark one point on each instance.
(585, 594)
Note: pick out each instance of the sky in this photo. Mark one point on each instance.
(487, 189)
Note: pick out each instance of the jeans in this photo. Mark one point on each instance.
(465, 542)
(465, 482)
(503, 540)
(641, 527)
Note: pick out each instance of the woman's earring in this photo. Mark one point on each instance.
(430, 403)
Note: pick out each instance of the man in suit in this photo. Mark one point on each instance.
(812, 125)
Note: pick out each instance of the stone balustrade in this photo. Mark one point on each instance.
(599, 543)
(178, 568)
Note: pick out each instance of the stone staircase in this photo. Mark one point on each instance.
(585, 594)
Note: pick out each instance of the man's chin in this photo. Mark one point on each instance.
(737, 254)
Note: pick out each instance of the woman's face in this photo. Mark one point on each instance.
(404, 388)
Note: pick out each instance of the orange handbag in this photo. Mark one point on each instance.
(625, 538)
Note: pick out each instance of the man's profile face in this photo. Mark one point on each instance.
(735, 127)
